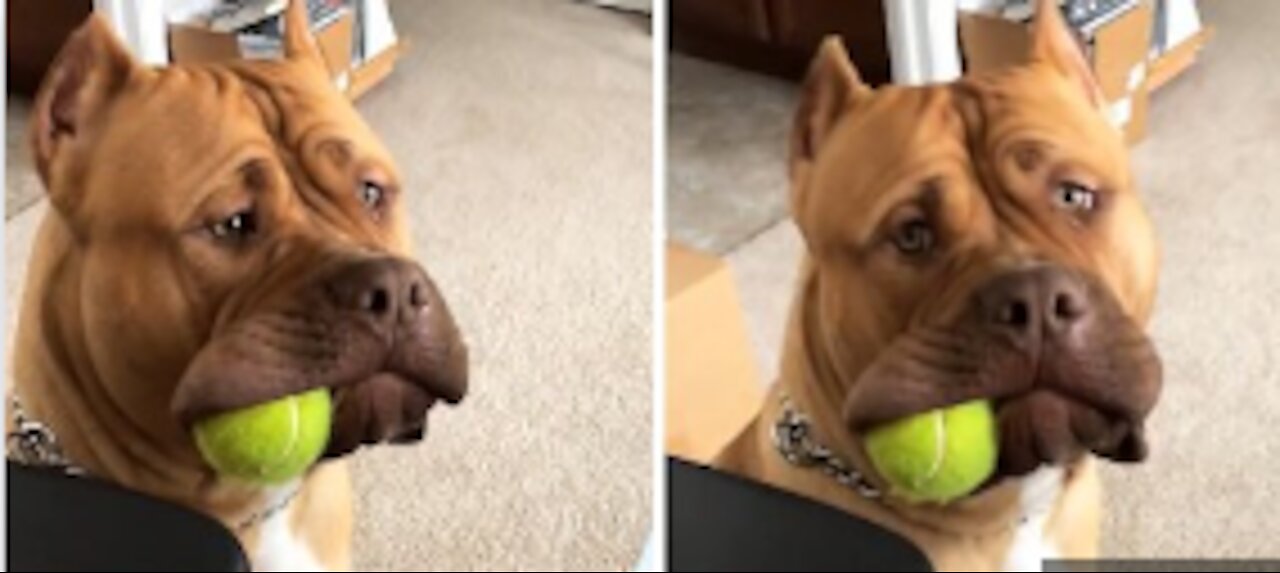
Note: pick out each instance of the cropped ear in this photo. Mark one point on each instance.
(299, 42)
(1054, 43)
(85, 78)
(831, 90)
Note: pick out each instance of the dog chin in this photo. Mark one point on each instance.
(384, 408)
(1044, 427)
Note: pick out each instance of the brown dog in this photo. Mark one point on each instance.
(979, 239)
(222, 235)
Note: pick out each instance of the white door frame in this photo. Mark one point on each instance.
(923, 43)
(141, 24)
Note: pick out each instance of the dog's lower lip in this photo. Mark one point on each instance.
(384, 407)
(400, 378)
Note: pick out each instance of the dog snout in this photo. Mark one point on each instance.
(386, 290)
(403, 304)
(1044, 301)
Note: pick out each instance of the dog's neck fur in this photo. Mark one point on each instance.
(58, 384)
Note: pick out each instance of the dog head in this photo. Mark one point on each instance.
(234, 234)
(979, 239)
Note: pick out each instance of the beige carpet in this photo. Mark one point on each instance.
(1208, 171)
(727, 127)
(527, 125)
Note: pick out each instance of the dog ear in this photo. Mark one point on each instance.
(831, 89)
(90, 71)
(1054, 43)
(299, 42)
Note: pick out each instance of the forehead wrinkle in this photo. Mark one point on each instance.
(292, 120)
(1045, 113)
(293, 126)
(1001, 112)
(998, 113)
(979, 102)
(287, 107)
(204, 106)
(907, 152)
(303, 111)
(266, 98)
(285, 118)
(290, 101)
(972, 104)
(230, 91)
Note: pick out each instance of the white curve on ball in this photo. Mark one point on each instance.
(295, 423)
(939, 449)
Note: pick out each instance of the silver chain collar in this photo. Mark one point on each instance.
(795, 442)
(270, 511)
(32, 443)
(793, 437)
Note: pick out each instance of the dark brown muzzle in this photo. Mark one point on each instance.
(376, 331)
(425, 346)
(1097, 377)
(1066, 368)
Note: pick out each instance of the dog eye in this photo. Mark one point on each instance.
(372, 195)
(1075, 197)
(914, 237)
(238, 226)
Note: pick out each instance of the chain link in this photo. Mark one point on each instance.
(793, 436)
(270, 511)
(32, 443)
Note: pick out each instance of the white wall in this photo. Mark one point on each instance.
(142, 26)
(183, 10)
(978, 5)
(1182, 21)
(923, 43)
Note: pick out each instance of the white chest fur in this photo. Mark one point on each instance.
(1030, 547)
(280, 548)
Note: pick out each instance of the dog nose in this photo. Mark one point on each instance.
(1044, 299)
(384, 288)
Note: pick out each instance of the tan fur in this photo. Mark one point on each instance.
(973, 535)
(857, 153)
(93, 360)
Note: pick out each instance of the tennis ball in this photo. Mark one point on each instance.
(268, 443)
(937, 456)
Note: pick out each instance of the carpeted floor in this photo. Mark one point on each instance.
(726, 128)
(528, 126)
(1208, 173)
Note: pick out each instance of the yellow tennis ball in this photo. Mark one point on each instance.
(268, 443)
(937, 456)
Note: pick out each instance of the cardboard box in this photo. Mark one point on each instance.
(1118, 52)
(195, 43)
(713, 388)
(373, 70)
